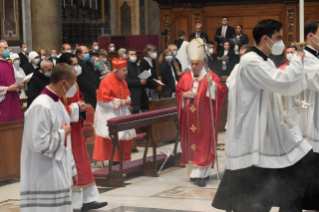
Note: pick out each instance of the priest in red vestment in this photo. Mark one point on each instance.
(193, 104)
(289, 52)
(85, 193)
(113, 100)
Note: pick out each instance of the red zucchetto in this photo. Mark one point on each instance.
(119, 63)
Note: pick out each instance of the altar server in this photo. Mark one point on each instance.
(182, 55)
(113, 100)
(268, 162)
(47, 164)
(193, 104)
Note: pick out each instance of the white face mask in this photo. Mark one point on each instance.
(112, 49)
(317, 43)
(154, 55)
(289, 56)
(68, 51)
(25, 49)
(71, 92)
(133, 59)
(103, 60)
(42, 57)
(277, 48)
(96, 48)
(78, 70)
(211, 51)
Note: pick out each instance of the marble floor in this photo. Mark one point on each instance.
(169, 192)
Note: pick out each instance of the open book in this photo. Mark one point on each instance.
(159, 82)
(145, 74)
(20, 79)
(223, 58)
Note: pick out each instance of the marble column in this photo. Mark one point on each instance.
(46, 22)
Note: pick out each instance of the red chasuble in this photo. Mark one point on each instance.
(79, 150)
(195, 124)
(283, 66)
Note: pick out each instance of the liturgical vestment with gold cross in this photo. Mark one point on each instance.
(195, 124)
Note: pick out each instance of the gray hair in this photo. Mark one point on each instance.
(148, 48)
(46, 62)
(170, 45)
(121, 51)
(2, 41)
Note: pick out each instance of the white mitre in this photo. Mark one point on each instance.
(195, 50)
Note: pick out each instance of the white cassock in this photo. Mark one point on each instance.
(183, 57)
(273, 140)
(311, 66)
(47, 166)
(19, 73)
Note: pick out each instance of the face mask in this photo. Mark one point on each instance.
(96, 48)
(112, 49)
(169, 58)
(54, 56)
(36, 61)
(124, 55)
(277, 48)
(6, 53)
(133, 59)
(97, 64)
(47, 74)
(86, 57)
(16, 63)
(71, 92)
(103, 60)
(78, 70)
(42, 57)
(25, 49)
(174, 53)
(210, 51)
(315, 41)
(154, 55)
(289, 56)
(68, 51)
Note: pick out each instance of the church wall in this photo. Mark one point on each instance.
(152, 18)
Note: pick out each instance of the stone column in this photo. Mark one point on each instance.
(46, 22)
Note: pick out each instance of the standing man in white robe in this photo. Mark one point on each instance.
(47, 164)
(268, 162)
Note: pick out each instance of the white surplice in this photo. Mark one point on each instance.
(47, 166)
(311, 66)
(18, 73)
(260, 132)
(183, 57)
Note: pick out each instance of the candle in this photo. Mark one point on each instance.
(83, 3)
(96, 4)
(64, 3)
(301, 21)
(71, 2)
(90, 3)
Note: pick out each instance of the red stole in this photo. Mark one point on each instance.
(283, 66)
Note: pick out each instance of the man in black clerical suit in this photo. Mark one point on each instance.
(223, 34)
(242, 39)
(198, 33)
(89, 79)
(24, 60)
(135, 84)
(212, 59)
(181, 38)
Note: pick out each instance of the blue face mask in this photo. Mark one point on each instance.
(6, 53)
(36, 61)
(16, 63)
(124, 55)
(54, 56)
(86, 57)
(47, 74)
(169, 58)
(174, 53)
(97, 64)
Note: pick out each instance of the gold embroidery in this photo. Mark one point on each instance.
(193, 128)
(192, 108)
(193, 147)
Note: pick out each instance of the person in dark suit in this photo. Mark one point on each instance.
(198, 33)
(181, 38)
(39, 80)
(89, 80)
(242, 40)
(168, 73)
(53, 57)
(225, 67)
(24, 60)
(212, 59)
(135, 84)
(173, 49)
(223, 34)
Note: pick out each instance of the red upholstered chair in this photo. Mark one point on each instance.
(88, 130)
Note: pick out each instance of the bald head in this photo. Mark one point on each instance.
(42, 53)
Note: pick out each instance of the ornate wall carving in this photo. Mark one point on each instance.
(291, 24)
(126, 27)
(197, 18)
(167, 21)
(134, 4)
(10, 29)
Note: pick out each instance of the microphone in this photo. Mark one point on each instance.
(191, 100)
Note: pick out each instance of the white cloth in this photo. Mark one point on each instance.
(47, 166)
(59, 55)
(183, 57)
(197, 171)
(108, 110)
(311, 66)
(260, 132)
(84, 195)
(32, 55)
(172, 70)
(3, 93)
(149, 60)
(19, 73)
(54, 61)
(224, 30)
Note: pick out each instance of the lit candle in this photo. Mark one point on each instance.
(301, 21)
(96, 4)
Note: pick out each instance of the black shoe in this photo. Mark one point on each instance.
(201, 182)
(195, 179)
(93, 205)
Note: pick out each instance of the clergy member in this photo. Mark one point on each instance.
(193, 104)
(289, 52)
(113, 100)
(268, 163)
(9, 97)
(85, 193)
(47, 164)
(182, 55)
